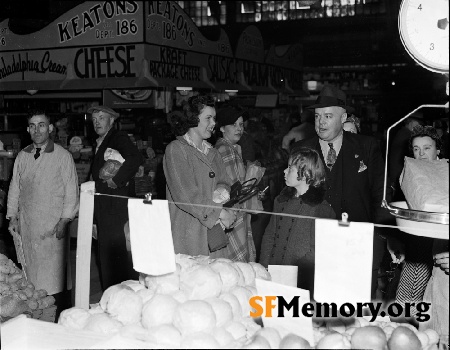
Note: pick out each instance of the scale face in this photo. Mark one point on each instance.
(424, 28)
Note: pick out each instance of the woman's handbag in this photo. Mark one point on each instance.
(217, 238)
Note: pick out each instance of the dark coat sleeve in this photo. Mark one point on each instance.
(376, 180)
(269, 237)
(133, 159)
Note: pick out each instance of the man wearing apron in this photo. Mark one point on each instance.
(42, 199)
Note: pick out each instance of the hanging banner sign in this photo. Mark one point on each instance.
(90, 23)
(167, 24)
(139, 44)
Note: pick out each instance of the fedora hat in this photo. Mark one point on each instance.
(331, 96)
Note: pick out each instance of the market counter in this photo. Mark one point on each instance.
(26, 333)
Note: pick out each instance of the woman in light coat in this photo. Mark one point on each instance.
(193, 171)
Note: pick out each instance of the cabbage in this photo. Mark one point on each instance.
(243, 295)
(102, 323)
(228, 274)
(74, 317)
(201, 282)
(247, 271)
(260, 271)
(164, 284)
(122, 303)
(234, 303)
(222, 310)
(158, 310)
(194, 316)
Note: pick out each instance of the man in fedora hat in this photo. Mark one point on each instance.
(111, 213)
(354, 167)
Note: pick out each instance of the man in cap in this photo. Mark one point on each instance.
(111, 213)
(42, 199)
(354, 167)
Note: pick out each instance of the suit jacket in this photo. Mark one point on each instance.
(361, 179)
(119, 141)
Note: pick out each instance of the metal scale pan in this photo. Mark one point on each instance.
(416, 222)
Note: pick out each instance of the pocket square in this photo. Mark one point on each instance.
(362, 166)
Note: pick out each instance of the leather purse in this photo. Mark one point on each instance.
(241, 192)
(217, 238)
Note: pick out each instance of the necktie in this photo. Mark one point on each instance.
(331, 156)
(38, 153)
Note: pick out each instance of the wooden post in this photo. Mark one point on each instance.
(84, 244)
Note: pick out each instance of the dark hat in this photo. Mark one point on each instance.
(105, 109)
(229, 115)
(331, 96)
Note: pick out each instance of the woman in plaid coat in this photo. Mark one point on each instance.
(231, 125)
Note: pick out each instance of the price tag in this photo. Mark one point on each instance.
(279, 317)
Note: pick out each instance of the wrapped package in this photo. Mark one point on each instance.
(254, 170)
(114, 161)
(425, 184)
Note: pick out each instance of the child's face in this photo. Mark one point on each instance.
(291, 175)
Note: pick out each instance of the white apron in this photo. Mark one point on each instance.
(40, 207)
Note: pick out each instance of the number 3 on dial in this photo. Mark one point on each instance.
(424, 28)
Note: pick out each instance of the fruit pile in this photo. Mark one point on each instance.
(17, 295)
(359, 333)
(205, 304)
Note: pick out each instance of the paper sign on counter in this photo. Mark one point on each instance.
(301, 325)
(343, 262)
(151, 237)
(284, 274)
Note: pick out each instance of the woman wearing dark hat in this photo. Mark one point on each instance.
(193, 171)
(230, 121)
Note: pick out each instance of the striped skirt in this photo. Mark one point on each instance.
(416, 271)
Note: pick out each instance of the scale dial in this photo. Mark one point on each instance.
(424, 28)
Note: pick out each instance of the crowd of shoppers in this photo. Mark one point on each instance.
(332, 169)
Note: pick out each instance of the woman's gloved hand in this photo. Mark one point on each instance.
(441, 260)
(228, 217)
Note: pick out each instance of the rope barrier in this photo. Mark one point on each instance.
(257, 211)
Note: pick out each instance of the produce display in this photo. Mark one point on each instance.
(204, 304)
(17, 296)
(359, 333)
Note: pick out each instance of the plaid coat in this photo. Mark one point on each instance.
(241, 246)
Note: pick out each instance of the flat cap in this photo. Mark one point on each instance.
(105, 109)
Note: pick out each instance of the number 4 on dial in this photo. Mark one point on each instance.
(424, 28)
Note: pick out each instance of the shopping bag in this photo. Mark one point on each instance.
(425, 184)
(254, 170)
(112, 165)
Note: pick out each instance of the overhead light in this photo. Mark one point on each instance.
(184, 90)
(32, 92)
(311, 85)
(231, 92)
